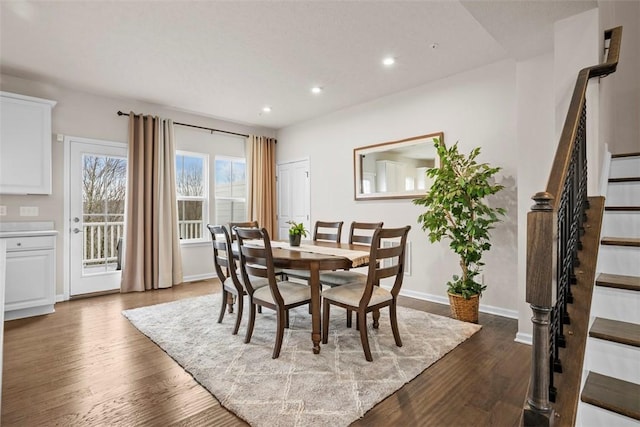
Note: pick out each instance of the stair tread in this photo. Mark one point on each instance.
(616, 331)
(622, 208)
(621, 241)
(622, 155)
(618, 281)
(615, 395)
(625, 179)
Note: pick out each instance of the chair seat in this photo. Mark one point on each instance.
(351, 294)
(256, 282)
(339, 278)
(291, 292)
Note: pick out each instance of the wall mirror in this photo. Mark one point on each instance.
(395, 169)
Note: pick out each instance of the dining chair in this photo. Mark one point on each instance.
(384, 261)
(244, 224)
(257, 261)
(226, 270)
(324, 231)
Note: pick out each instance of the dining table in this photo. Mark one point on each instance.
(316, 256)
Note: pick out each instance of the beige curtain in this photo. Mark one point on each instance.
(261, 158)
(152, 257)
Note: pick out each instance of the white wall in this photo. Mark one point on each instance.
(620, 92)
(476, 108)
(91, 116)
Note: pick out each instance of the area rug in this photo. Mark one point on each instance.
(333, 388)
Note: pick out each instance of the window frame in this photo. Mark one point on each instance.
(204, 198)
(232, 199)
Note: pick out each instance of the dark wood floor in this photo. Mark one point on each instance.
(86, 365)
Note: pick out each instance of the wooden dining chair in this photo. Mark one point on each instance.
(324, 231)
(244, 224)
(225, 267)
(279, 296)
(384, 261)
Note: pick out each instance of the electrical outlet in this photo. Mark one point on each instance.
(29, 211)
(3, 210)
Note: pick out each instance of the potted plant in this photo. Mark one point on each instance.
(456, 208)
(296, 232)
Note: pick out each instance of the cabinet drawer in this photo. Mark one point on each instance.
(30, 243)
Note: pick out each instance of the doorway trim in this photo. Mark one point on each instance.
(66, 216)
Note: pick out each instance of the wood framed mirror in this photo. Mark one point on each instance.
(395, 169)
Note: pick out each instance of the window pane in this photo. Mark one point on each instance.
(230, 211)
(189, 175)
(238, 180)
(190, 219)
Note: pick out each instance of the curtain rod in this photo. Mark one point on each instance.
(120, 113)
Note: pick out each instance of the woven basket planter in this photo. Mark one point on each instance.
(464, 309)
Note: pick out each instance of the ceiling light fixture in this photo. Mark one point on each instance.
(316, 90)
(266, 109)
(388, 61)
(434, 45)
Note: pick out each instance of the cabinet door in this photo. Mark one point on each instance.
(29, 279)
(25, 145)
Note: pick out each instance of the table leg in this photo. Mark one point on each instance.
(314, 283)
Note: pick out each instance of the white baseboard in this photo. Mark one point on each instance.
(523, 338)
(196, 277)
(489, 309)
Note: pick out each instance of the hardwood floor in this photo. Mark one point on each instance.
(86, 365)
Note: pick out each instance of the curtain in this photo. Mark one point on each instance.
(152, 257)
(261, 158)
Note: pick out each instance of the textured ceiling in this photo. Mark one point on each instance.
(229, 59)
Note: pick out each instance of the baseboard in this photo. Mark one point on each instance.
(197, 277)
(489, 309)
(523, 338)
(61, 298)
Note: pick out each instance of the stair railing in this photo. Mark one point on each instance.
(554, 228)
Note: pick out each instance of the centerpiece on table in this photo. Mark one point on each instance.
(296, 233)
(456, 208)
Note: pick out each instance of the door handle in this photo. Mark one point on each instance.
(76, 230)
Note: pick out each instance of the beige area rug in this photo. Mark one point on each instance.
(333, 388)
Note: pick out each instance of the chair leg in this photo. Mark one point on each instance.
(394, 324)
(286, 319)
(348, 318)
(376, 319)
(252, 319)
(281, 315)
(224, 306)
(231, 299)
(357, 321)
(325, 321)
(362, 324)
(260, 309)
(240, 299)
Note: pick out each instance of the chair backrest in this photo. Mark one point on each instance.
(257, 259)
(386, 259)
(361, 233)
(328, 231)
(245, 224)
(223, 260)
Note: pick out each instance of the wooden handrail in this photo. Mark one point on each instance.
(570, 129)
(555, 226)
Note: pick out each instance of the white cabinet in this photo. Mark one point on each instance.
(30, 275)
(25, 144)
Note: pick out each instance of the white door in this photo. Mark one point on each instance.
(294, 196)
(97, 185)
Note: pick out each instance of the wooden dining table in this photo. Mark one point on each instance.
(303, 259)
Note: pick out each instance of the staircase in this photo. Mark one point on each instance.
(611, 374)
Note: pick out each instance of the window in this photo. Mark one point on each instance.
(192, 194)
(231, 189)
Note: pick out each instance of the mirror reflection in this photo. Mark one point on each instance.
(395, 169)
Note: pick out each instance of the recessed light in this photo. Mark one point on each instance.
(390, 60)
(316, 90)
(434, 45)
(266, 109)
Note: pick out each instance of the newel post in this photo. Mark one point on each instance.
(541, 295)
